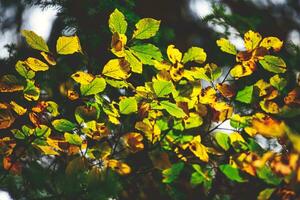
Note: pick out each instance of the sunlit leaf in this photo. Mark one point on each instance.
(73, 139)
(135, 64)
(118, 42)
(173, 109)
(252, 40)
(6, 118)
(195, 54)
(163, 88)
(239, 71)
(223, 140)
(117, 69)
(231, 173)
(68, 45)
(35, 64)
(226, 46)
(18, 108)
(273, 64)
(174, 54)
(278, 82)
(133, 141)
(147, 53)
(245, 95)
(49, 58)
(63, 125)
(119, 167)
(24, 71)
(35, 41)
(193, 121)
(171, 174)
(95, 87)
(82, 77)
(146, 28)
(128, 105)
(117, 22)
(271, 42)
(265, 194)
(31, 92)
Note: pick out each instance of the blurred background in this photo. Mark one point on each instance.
(185, 23)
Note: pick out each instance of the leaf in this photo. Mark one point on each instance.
(128, 105)
(31, 92)
(117, 22)
(135, 64)
(35, 41)
(193, 121)
(222, 140)
(209, 72)
(133, 141)
(147, 53)
(10, 83)
(42, 131)
(23, 70)
(231, 173)
(117, 69)
(239, 71)
(82, 77)
(119, 167)
(35, 64)
(17, 108)
(198, 149)
(265, 194)
(226, 46)
(196, 179)
(63, 125)
(173, 109)
(196, 54)
(266, 174)
(118, 42)
(68, 45)
(95, 87)
(278, 82)
(273, 64)
(73, 139)
(271, 42)
(252, 40)
(245, 95)
(6, 118)
(146, 28)
(163, 88)
(171, 174)
(174, 54)
(49, 58)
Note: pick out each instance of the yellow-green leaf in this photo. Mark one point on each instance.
(135, 64)
(73, 139)
(82, 77)
(146, 28)
(128, 105)
(35, 41)
(96, 86)
(63, 125)
(273, 64)
(24, 71)
(31, 92)
(36, 64)
(147, 53)
(173, 109)
(117, 22)
(226, 46)
(245, 95)
(117, 69)
(252, 40)
(163, 88)
(68, 45)
(196, 54)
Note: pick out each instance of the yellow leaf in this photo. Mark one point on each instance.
(17, 108)
(268, 127)
(47, 150)
(271, 42)
(119, 167)
(198, 149)
(117, 69)
(82, 77)
(208, 95)
(146, 28)
(239, 71)
(174, 54)
(226, 46)
(6, 118)
(68, 45)
(36, 64)
(135, 64)
(49, 58)
(269, 107)
(118, 41)
(35, 41)
(134, 141)
(252, 40)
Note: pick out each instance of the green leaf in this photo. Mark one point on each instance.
(273, 64)
(196, 54)
(95, 87)
(196, 179)
(18, 134)
(278, 82)
(231, 173)
(226, 46)
(146, 28)
(42, 131)
(117, 22)
(135, 64)
(35, 41)
(173, 109)
(266, 174)
(193, 121)
(265, 194)
(128, 105)
(63, 125)
(22, 69)
(171, 174)
(163, 88)
(73, 139)
(147, 53)
(31, 92)
(245, 95)
(222, 140)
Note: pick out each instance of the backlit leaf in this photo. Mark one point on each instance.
(73, 139)
(174, 54)
(252, 40)
(82, 77)
(135, 64)
(35, 64)
(31, 92)
(222, 140)
(226, 46)
(95, 87)
(24, 71)
(63, 125)
(273, 64)
(231, 173)
(195, 54)
(271, 42)
(171, 174)
(173, 109)
(128, 105)
(117, 22)
(147, 53)
(68, 45)
(146, 28)
(35, 41)
(163, 88)
(245, 95)
(117, 69)
(278, 82)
